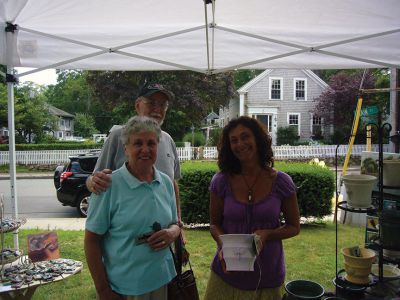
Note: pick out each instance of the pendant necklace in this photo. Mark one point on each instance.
(250, 188)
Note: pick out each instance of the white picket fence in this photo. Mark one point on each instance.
(51, 157)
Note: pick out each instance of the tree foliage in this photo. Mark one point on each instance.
(336, 105)
(244, 76)
(32, 116)
(195, 94)
(84, 125)
(71, 93)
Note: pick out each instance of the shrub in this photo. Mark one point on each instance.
(180, 144)
(215, 136)
(315, 186)
(55, 146)
(199, 138)
(287, 136)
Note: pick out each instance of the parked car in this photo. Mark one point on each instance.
(70, 181)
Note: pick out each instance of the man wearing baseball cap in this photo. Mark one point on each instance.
(152, 101)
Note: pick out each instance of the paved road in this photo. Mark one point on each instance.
(36, 199)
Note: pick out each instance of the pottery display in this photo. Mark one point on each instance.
(359, 190)
(391, 171)
(303, 289)
(357, 264)
(389, 271)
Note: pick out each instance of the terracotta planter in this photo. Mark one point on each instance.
(391, 171)
(359, 190)
(358, 268)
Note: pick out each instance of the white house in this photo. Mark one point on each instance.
(65, 128)
(280, 98)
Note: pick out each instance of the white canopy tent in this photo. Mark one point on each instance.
(192, 35)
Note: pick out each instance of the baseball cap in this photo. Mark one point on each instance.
(151, 88)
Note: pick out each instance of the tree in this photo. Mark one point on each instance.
(3, 105)
(195, 94)
(336, 105)
(84, 125)
(31, 113)
(244, 76)
(71, 93)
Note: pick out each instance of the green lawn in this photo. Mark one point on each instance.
(311, 255)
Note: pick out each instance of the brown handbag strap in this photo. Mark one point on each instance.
(179, 255)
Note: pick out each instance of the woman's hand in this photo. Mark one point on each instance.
(222, 261)
(264, 235)
(162, 239)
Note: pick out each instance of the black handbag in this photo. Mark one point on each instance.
(183, 286)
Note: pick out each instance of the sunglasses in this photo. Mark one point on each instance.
(155, 104)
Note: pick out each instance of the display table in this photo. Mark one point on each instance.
(20, 279)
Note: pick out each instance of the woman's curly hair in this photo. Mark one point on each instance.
(227, 161)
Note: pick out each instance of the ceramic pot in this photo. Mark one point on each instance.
(358, 268)
(359, 190)
(391, 171)
(303, 289)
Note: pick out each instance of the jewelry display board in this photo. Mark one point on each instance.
(19, 276)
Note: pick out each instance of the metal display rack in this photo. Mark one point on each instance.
(376, 282)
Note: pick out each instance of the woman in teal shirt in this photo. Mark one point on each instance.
(130, 226)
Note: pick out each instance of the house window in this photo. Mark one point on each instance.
(316, 128)
(275, 88)
(294, 120)
(300, 89)
(62, 122)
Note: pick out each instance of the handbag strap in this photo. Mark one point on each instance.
(179, 255)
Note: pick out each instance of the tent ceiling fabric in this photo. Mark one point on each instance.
(172, 34)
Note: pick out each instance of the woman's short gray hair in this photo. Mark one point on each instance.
(139, 124)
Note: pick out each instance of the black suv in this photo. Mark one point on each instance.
(70, 181)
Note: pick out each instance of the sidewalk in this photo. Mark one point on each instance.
(40, 175)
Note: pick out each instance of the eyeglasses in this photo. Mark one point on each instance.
(156, 104)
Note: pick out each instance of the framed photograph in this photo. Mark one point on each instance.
(372, 223)
(371, 237)
(389, 204)
(43, 246)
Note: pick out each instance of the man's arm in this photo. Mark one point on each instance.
(177, 199)
(100, 180)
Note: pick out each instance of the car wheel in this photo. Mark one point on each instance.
(83, 204)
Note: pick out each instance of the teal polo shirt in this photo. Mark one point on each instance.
(125, 211)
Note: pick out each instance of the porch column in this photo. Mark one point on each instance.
(241, 105)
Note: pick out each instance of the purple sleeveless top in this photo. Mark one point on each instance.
(246, 218)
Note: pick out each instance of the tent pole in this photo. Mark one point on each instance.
(11, 128)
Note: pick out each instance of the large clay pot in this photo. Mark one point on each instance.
(391, 171)
(359, 190)
(358, 268)
(303, 289)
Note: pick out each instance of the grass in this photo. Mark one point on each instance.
(311, 255)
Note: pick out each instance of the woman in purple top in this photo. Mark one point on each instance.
(248, 196)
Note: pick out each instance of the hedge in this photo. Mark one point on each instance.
(315, 188)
